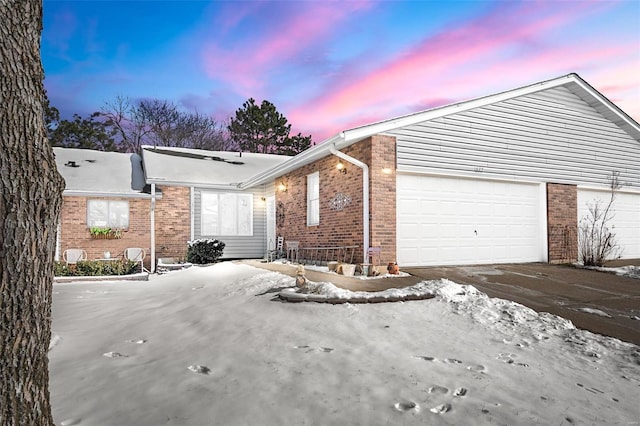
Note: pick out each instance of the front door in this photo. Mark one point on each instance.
(271, 223)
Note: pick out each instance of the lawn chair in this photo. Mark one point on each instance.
(136, 254)
(73, 256)
(277, 252)
(292, 250)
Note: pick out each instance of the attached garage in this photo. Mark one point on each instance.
(458, 221)
(625, 222)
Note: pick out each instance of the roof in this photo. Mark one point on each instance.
(212, 169)
(573, 82)
(96, 173)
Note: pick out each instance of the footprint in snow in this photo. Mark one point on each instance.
(460, 392)
(114, 355)
(405, 406)
(326, 350)
(137, 342)
(425, 358)
(477, 368)
(200, 369)
(453, 361)
(70, 422)
(441, 409)
(438, 389)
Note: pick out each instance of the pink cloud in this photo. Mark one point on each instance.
(457, 64)
(246, 65)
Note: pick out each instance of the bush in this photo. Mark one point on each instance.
(204, 251)
(91, 268)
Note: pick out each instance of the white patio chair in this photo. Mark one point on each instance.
(136, 254)
(277, 252)
(73, 256)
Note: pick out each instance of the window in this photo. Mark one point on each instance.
(108, 213)
(226, 214)
(313, 199)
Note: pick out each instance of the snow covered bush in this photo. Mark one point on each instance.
(204, 250)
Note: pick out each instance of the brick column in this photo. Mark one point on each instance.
(383, 196)
(562, 223)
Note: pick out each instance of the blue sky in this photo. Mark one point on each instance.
(332, 65)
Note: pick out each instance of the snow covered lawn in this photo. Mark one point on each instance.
(213, 346)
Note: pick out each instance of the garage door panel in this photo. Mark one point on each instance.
(466, 221)
(626, 217)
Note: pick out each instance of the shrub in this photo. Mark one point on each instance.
(90, 268)
(204, 251)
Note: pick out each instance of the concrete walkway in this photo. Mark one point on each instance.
(596, 301)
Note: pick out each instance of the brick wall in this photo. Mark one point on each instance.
(562, 222)
(173, 226)
(173, 222)
(343, 227)
(74, 232)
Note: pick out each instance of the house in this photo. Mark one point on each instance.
(504, 178)
(157, 201)
(499, 179)
(102, 190)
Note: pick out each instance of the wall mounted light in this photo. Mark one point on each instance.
(263, 199)
(341, 167)
(282, 187)
(387, 170)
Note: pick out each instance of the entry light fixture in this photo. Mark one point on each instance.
(341, 167)
(282, 187)
(387, 170)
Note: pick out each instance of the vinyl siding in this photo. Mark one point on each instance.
(253, 246)
(548, 136)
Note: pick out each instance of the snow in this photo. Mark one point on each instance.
(215, 345)
(626, 271)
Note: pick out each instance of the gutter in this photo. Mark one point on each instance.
(365, 195)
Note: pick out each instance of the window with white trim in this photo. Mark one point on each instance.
(226, 214)
(108, 213)
(313, 199)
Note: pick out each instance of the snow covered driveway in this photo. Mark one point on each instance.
(211, 346)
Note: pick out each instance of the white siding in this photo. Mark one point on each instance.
(625, 222)
(548, 136)
(253, 246)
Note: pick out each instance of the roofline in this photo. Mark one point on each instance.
(80, 193)
(351, 136)
(161, 182)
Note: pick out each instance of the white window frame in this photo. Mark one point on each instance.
(313, 199)
(226, 214)
(110, 218)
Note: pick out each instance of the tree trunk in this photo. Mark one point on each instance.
(30, 200)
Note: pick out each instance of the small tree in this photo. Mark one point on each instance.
(597, 242)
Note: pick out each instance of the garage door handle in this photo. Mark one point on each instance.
(476, 232)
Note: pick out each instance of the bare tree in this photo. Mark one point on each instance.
(597, 242)
(30, 200)
(129, 122)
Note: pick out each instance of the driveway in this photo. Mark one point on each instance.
(596, 301)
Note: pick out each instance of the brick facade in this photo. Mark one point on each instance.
(173, 222)
(562, 222)
(343, 227)
(173, 226)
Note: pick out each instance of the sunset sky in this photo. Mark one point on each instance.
(332, 65)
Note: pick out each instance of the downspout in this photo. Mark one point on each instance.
(365, 195)
(153, 228)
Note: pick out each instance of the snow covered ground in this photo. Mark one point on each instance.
(213, 346)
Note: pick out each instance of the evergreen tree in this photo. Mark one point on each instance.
(261, 128)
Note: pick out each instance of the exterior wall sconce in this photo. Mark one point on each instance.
(282, 187)
(341, 167)
(387, 170)
(263, 199)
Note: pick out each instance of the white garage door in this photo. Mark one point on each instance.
(626, 217)
(454, 221)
